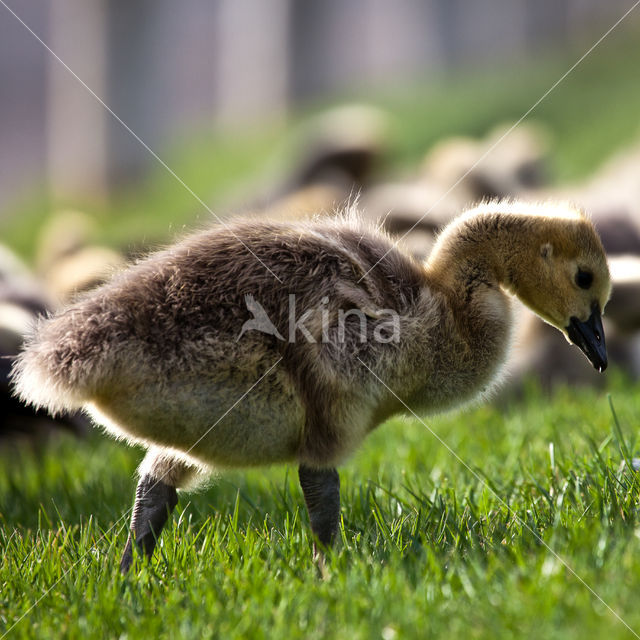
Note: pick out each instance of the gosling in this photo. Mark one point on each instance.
(350, 331)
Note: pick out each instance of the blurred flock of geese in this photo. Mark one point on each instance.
(338, 159)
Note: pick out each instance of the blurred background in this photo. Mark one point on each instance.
(174, 71)
(286, 107)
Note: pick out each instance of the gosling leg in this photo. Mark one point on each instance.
(156, 497)
(321, 489)
(154, 502)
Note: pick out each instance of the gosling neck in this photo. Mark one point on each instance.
(483, 249)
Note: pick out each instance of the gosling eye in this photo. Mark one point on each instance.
(584, 279)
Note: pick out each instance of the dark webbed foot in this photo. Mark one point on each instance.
(321, 489)
(154, 503)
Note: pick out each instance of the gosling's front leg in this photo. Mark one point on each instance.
(321, 489)
(155, 500)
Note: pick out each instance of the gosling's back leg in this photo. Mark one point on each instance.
(321, 489)
(156, 497)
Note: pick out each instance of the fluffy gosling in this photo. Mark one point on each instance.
(264, 342)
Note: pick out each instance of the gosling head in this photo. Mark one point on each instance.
(566, 280)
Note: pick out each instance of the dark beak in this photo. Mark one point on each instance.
(589, 336)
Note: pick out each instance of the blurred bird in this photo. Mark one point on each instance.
(330, 159)
(68, 260)
(22, 299)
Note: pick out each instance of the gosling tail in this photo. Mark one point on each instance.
(63, 359)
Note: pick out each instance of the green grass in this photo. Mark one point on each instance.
(430, 547)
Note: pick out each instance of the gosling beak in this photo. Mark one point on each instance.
(589, 336)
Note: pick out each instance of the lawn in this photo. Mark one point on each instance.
(530, 530)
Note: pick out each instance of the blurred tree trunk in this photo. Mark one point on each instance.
(250, 61)
(547, 22)
(23, 70)
(138, 37)
(76, 121)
